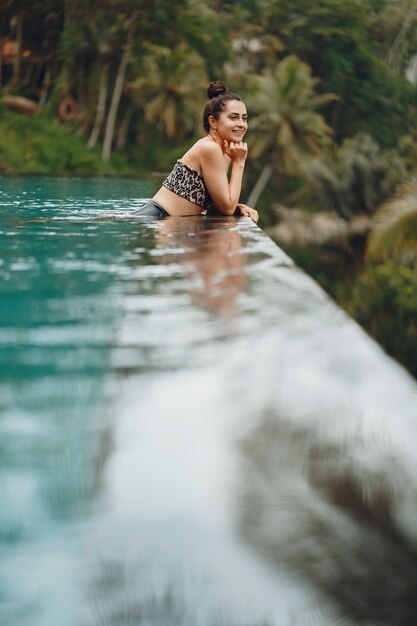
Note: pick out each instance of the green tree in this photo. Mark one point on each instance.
(394, 233)
(207, 29)
(167, 89)
(286, 129)
(407, 149)
(384, 301)
(333, 37)
(355, 177)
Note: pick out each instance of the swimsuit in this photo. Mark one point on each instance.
(151, 209)
(185, 182)
(189, 184)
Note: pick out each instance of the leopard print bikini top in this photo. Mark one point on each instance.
(188, 183)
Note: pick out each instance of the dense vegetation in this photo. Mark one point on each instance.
(137, 70)
(46, 146)
(120, 85)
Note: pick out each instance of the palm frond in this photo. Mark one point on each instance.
(286, 124)
(395, 230)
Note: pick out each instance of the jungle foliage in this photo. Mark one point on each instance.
(138, 70)
(384, 301)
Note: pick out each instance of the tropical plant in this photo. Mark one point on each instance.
(286, 129)
(81, 49)
(394, 233)
(407, 149)
(383, 299)
(167, 88)
(354, 178)
(335, 39)
(253, 50)
(207, 28)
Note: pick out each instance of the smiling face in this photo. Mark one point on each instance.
(232, 123)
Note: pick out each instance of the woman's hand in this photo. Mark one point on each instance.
(236, 151)
(246, 211)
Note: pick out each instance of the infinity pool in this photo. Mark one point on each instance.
(191, 432)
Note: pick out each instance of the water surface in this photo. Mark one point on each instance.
(191, 432)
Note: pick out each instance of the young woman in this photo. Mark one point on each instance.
(199, 181)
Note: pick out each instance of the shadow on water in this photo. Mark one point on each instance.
(191, 432)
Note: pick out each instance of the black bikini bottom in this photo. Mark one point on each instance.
(151, 209)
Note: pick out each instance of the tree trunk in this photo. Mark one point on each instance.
(2, 26)
(69, 9)
(392, 58)
(18, 56)
(1, 60)
(101, 106)
(411, 72)
(259, 186)
(124, 126)
(46, 83)
(84, 114)
(28, 76)
(118, 88)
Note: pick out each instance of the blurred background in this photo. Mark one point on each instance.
(118, 86)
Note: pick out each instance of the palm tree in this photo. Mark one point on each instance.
(287, 127)
(355, 177)
(167, 87)
(395, 229)
(118, 87)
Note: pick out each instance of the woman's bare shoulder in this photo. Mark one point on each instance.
(204, 145)
(207, 148)
(204, 149)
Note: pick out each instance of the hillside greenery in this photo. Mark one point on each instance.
(137, 73)
(49, 147)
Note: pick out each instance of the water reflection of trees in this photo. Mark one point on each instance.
(122, 593)
(328, 512)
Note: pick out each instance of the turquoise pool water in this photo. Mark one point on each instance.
(191, 432)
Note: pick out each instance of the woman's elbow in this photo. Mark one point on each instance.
(225, 209)
(230, 211)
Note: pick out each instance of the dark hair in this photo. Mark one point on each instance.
(218, 97)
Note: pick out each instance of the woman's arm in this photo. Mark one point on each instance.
(224, 193)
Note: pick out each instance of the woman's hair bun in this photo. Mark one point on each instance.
(216, 88)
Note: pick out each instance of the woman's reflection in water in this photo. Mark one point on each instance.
(211, 250)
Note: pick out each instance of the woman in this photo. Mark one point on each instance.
(198, 181)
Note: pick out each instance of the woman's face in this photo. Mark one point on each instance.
(232, 123)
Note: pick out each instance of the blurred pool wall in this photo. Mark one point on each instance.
(191, 431)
